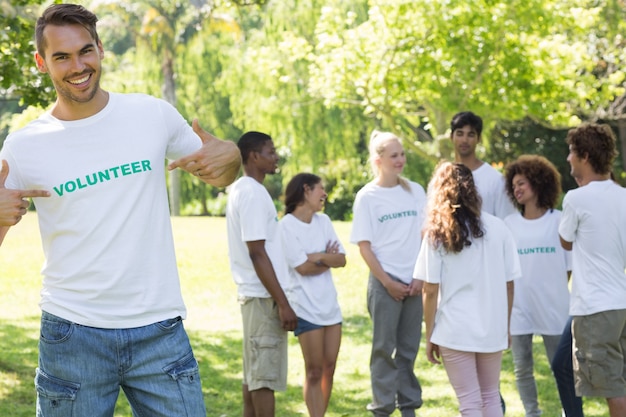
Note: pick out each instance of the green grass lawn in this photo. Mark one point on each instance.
(213, 323)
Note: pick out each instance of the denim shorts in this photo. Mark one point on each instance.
(305, 326)
(600, 354)
(81, 370)
(264, 345)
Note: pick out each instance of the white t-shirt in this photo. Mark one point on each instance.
(105, 231)
(492, 189)
(594, 219)
(313, 297)
(390, 218)
(472, 315)
(251, 216)
(541, 301)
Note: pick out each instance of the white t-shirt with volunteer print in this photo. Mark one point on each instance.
(313, 297)
(251, 216)
(594, 219)
(390, 218)
(472, 313)
(541, 302)
(492, 189)
(105, 231)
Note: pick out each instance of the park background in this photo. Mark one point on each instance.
(319, 76)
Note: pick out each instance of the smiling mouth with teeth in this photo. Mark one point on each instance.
(80, 80)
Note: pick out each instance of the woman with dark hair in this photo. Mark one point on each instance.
(468, 261)
(312, 249)
(542, 296)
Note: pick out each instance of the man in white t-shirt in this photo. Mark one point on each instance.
(465, 133)
(259, 269)
(111, 302)
(593, 224)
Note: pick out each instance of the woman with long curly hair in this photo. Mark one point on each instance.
(542, 297)
(468, 261)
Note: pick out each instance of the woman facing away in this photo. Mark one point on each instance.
(312, 249)
(387, 218)
(468, 261)
(542, 296)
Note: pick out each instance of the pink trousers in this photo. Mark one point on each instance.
(475, 378)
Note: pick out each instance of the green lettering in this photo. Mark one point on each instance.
(125, 169)
(104, 176)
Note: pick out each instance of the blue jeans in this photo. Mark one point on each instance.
(563, 369)
(81, 370)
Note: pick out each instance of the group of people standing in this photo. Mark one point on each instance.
(481, 258)
(478, 258)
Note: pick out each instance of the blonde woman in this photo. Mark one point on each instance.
(388, 214)
(468, 261)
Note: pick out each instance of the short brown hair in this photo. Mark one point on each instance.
(63, 15)
(597, 143)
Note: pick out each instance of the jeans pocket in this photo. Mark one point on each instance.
(55, 330)
(169, 323)
(187, 375)
(55, 397)
(266, 357)
(186, 369)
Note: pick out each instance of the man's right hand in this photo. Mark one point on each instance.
(288, 318)
(13, 203)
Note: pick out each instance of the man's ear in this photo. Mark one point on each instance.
(41, 63)
(100, 49)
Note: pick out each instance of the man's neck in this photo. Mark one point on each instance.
(471, 161)
(68, 110)
(251, 172)
(586, 179)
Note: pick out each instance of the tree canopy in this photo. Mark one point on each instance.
(319, 75)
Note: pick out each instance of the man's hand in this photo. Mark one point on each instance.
(13, 203)
(217, 162)
(288, 318)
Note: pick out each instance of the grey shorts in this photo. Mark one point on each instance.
(600, 354)
(264, 345)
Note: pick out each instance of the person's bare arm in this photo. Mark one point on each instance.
(265, 271)
(397, 290)
(510, 292)
(565, 244)
(216, 163)
(430, 295)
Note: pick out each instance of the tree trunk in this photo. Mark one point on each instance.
(169, 94)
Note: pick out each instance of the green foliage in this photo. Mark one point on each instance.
(420, 62)
(319, 75)
(19, 77)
